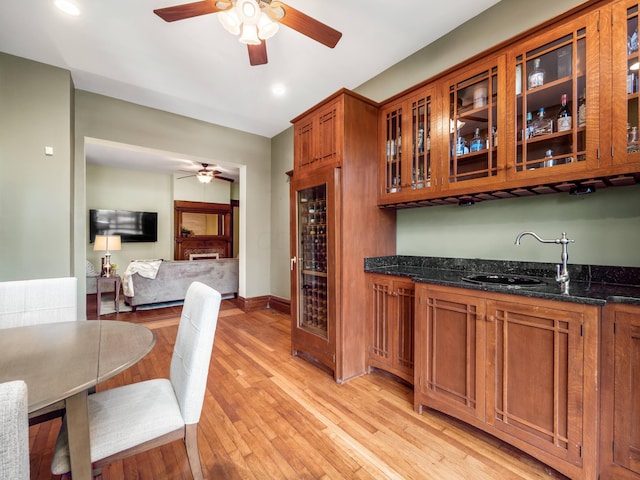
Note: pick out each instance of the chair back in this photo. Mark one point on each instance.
(192, 351)
(14, 431)
(30, 302)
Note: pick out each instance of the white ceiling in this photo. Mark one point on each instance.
(194, 67)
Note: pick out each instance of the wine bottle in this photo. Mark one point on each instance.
(536, 77)
(564, 115)
(582, 110)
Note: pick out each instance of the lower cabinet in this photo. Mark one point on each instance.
(391, 324)
(620, 403)
(523, 369)
(450, 353)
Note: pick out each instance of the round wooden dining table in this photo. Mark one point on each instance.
(62, 361)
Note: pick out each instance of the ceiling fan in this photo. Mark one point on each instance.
(255, 21)
(204, 175)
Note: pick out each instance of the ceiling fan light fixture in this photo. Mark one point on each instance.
(249, 34)
(230, 21)
(205, 176)
(248, 11)
(267, 28)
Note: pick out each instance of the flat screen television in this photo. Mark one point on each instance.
(131, 226)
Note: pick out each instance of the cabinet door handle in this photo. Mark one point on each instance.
(292, 262)
(491, 318)
(393, 294)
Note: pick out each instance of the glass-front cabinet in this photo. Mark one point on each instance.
(407, 154)
(556, 90)
(625, 83)
(476, 121)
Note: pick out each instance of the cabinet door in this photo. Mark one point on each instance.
(624, 106)
(391, 174)
(391, 317)
(626, 407)
(475, 123)
(560, 63)
(450, 346)
(303, 142)
(319, 136)
(329, 134)
(535, 359)
(313, 274)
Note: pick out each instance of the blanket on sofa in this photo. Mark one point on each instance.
(144, 268)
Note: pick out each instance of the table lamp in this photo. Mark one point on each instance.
(105, 243)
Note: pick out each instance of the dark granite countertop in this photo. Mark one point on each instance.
(590, 284)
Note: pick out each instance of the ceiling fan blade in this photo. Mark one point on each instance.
(226, 179)
(306, 25)
(188, 10)
(258, 54)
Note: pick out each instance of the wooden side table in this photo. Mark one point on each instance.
(116, 284)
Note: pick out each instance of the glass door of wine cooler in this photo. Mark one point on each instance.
(312, 281)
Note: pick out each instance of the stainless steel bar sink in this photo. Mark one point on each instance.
(503, 279)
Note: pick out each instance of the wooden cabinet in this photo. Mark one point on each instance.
(620, 404)
(536, 357)
(390, 314)
(450, 350)
(559, 62)
(623, 105)
(589, 56)
(335, 224)
(475, 117)
(406, 163)
(522, 369)
(318, 136)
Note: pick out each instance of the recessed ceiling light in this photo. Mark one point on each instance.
(68, 7)
(278, 90)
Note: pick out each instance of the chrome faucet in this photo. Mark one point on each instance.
(562, 275)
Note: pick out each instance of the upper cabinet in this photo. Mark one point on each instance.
(406, 157)
(555, 108)
(625, 71)
(553, 123)
(475, 117)
(319, 136)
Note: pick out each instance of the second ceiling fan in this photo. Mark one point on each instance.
(204, 175)
(255, 21)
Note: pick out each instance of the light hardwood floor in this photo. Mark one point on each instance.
(268, 415)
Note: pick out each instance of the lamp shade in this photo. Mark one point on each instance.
(107, 243)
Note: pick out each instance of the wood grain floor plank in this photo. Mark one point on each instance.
(268, 415)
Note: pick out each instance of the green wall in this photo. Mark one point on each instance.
(281, 162)
(36, 105)
(606, 225)
(105, 118)
(117, 189)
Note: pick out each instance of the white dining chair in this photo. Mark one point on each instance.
(131, 419)
(14, 431)
(32, 302)
(42, 300)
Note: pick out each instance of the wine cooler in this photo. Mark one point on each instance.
(313, 274)
(312, 211)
